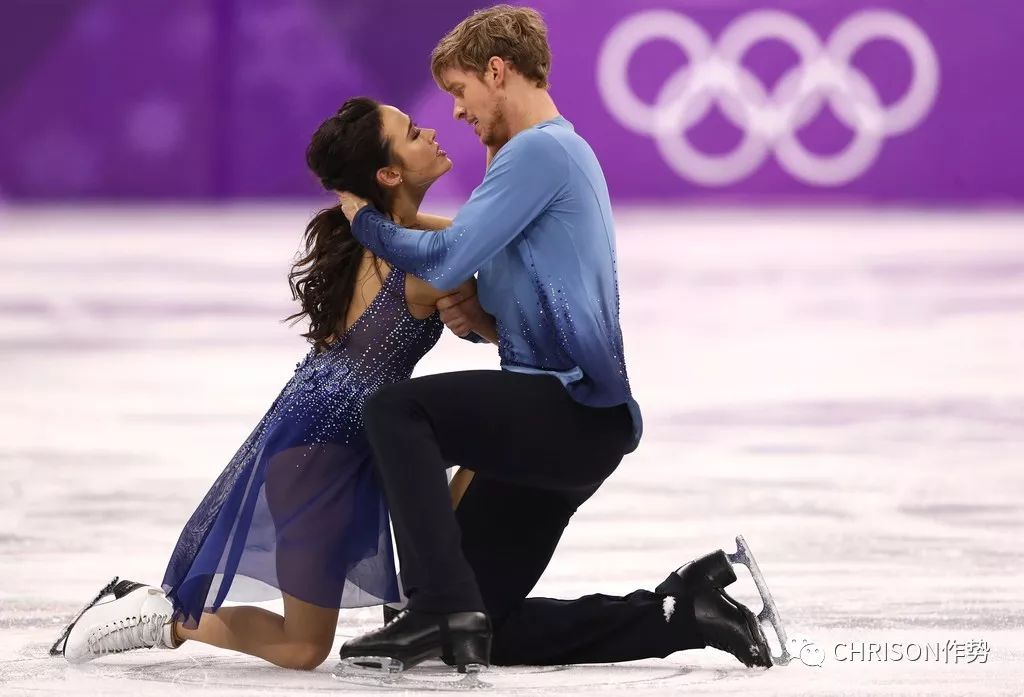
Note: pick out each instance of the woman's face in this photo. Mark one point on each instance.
(420, 160)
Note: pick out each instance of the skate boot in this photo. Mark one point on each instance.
(135, 617)
(715, 571)
(730, 626)
(390, 612)
(462, 639)
(710, 571)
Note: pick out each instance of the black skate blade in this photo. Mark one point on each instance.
(58, 646)
(389, 673)
(769, 614)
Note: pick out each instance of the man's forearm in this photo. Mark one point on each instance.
(524, 178)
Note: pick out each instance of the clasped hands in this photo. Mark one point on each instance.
(462, 314)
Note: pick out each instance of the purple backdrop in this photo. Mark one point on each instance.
(779, 100)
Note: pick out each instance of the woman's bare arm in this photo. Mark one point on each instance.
(460, 309)
(466, 305)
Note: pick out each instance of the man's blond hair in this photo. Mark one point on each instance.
(517, 35)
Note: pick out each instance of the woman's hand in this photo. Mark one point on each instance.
(351, 204)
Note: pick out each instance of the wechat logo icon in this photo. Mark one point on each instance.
(809, 653)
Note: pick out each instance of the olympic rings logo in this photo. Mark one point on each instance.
(769, 121)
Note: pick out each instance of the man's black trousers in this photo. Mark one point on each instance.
(538, 455)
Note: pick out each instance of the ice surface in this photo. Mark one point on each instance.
(844, 389)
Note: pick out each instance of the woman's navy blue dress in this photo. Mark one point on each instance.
(299, 509)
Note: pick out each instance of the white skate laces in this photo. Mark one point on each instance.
(139, 632)
(136, 617)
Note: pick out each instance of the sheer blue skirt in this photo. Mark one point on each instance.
(298, 510)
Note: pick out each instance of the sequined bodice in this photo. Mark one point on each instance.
(327, 393)
(301, 488)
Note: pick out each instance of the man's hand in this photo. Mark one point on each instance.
(351, 204)
(462, 314)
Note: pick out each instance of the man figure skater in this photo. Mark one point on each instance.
(544, 432)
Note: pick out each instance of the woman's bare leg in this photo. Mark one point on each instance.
(459, 484)
(302, 639)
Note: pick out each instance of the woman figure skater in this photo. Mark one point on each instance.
(298, 512)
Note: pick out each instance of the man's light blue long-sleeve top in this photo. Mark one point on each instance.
(539, 233)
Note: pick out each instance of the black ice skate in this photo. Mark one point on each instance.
(389, 612)
(710, 571)
(715, 571)
(731, 627)
(461, 639)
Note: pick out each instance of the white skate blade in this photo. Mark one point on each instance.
(58, 646)
(389, 673)
(770, 612)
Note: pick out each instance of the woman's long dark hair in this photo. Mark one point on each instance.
(345, 153)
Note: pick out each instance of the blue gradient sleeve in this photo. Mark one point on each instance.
(523, 179)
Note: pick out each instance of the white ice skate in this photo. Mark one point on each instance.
(134, 617)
